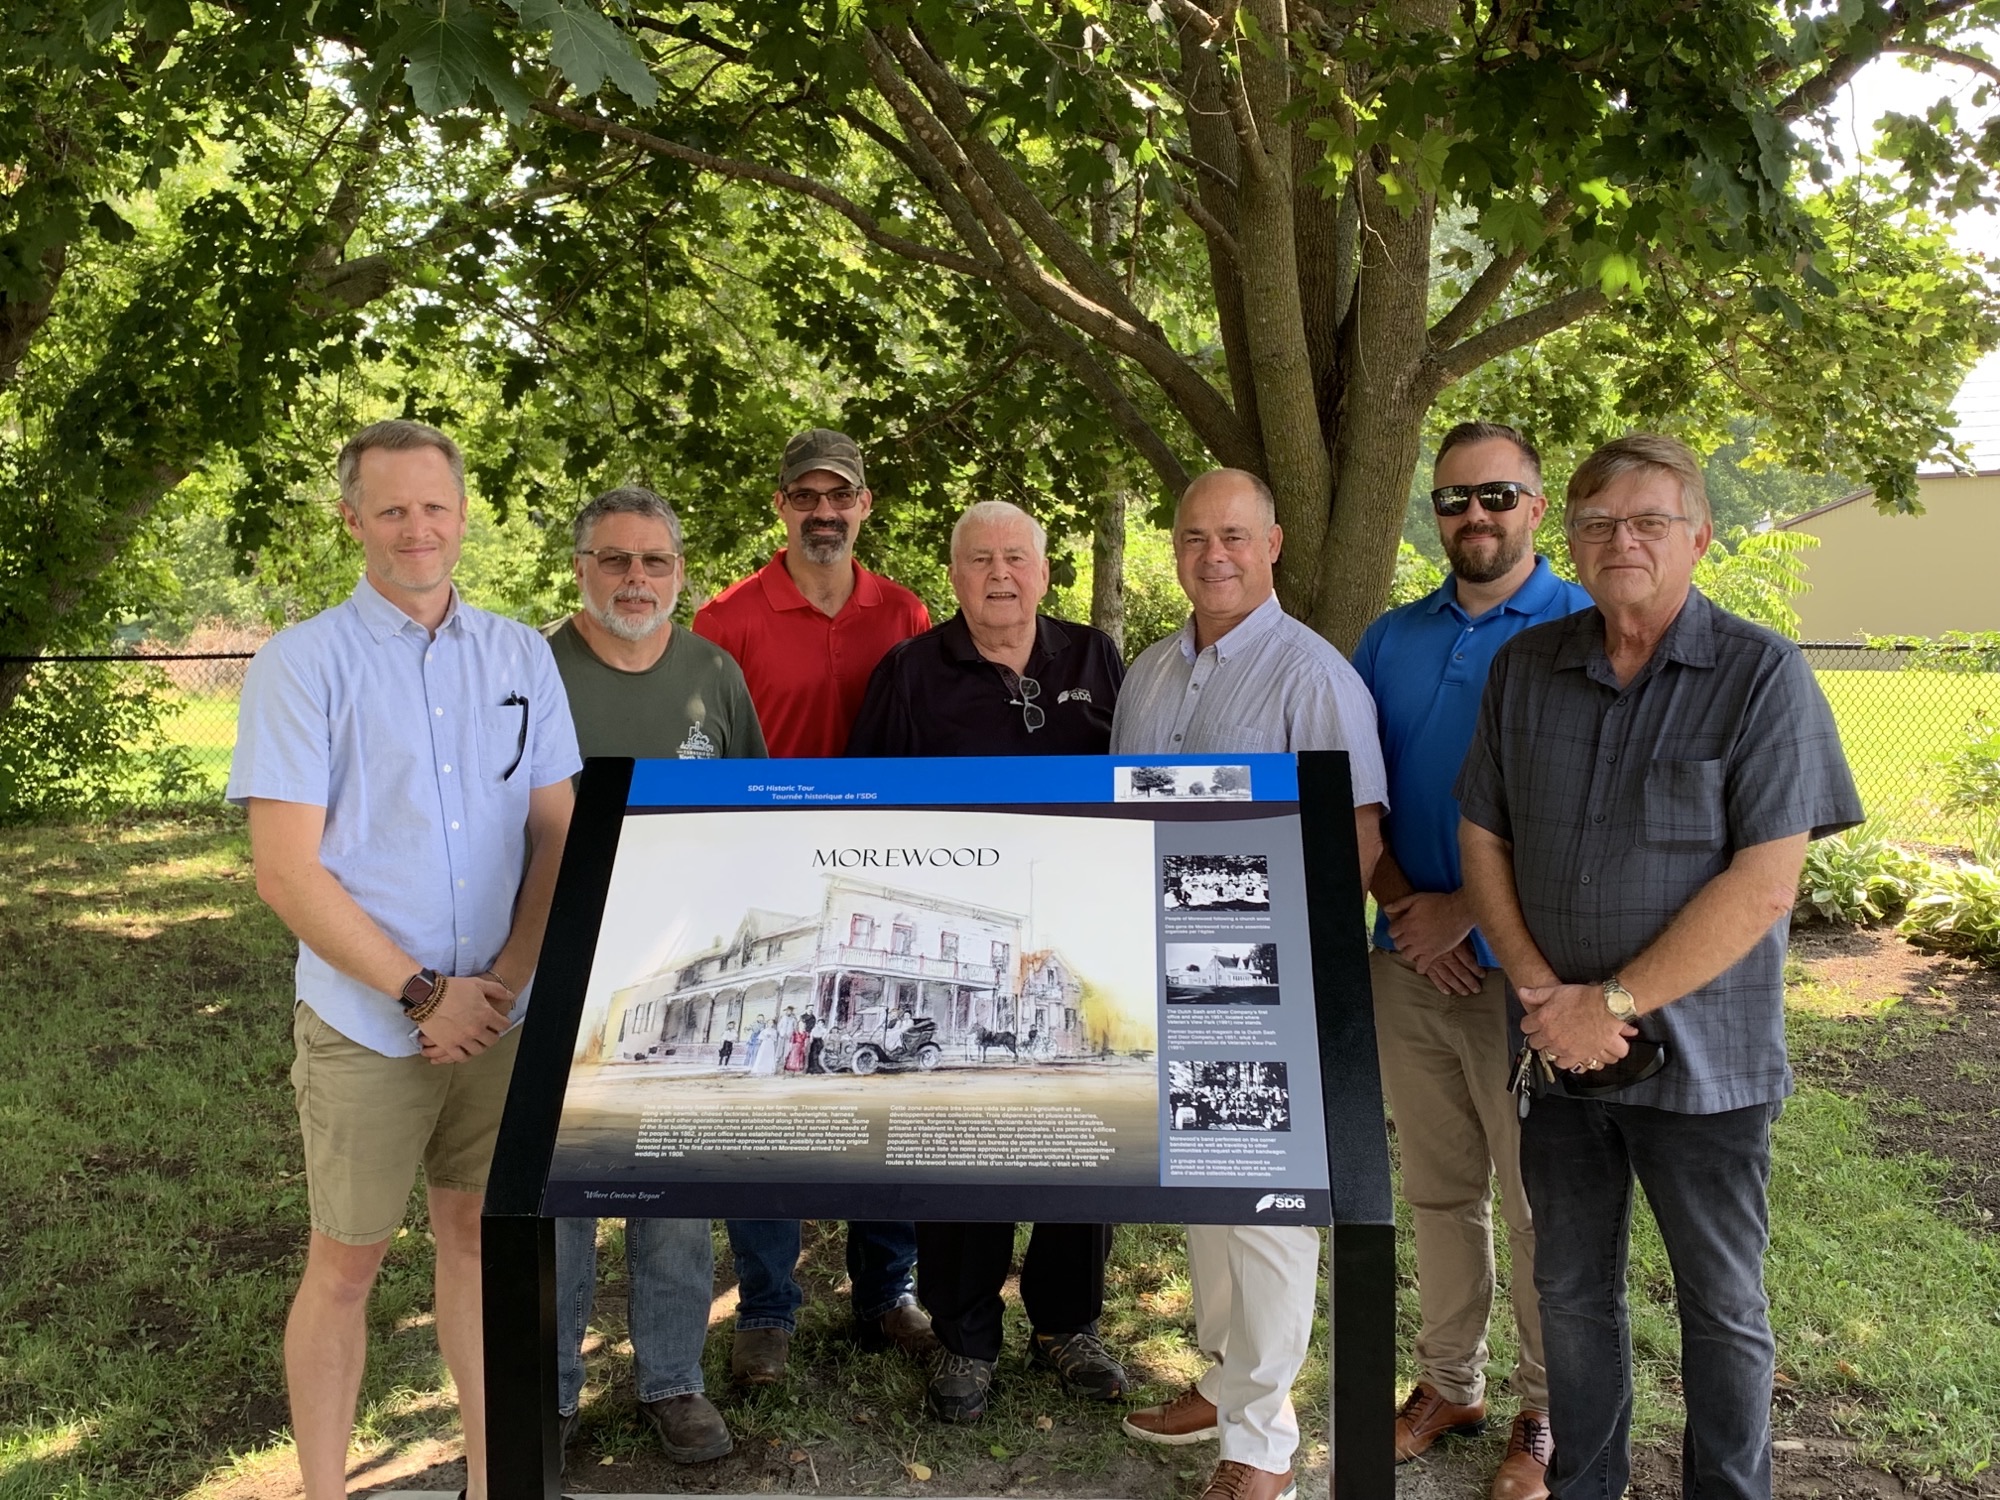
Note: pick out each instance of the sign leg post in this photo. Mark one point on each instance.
(518, 1295)
(1361, 1362)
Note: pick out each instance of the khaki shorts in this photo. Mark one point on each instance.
(369, 1119)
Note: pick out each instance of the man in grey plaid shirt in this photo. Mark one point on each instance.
(1635, 812)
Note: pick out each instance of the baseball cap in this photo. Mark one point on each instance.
(822, 448)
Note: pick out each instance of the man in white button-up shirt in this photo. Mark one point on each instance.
(405, 761)
(1243, 676)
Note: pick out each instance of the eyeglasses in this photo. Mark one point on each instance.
(1494, 495)
(1029, 690)
(615, 564)
(808, 500)
(1647, 526)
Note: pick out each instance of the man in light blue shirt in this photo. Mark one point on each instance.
(1440, 1000)
(405, 762)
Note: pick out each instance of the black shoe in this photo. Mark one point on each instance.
(569, 1422)
(958, 1387)
(690, 1428)
(1084, 1365)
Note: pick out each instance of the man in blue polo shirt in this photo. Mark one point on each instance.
(1440, 1000)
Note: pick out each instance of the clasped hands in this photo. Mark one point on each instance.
(471, 1017)
(1570, 1025)
(1429, 929)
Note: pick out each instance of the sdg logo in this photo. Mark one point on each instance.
(1282, 1202)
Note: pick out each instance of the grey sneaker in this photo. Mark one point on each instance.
(1085, 1366)
(758, 1355)
(958, 1387)
(690, 1428)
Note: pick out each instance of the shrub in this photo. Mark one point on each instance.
(82, 738)
(1972, 781)
(1956, 909)
(1855, 877)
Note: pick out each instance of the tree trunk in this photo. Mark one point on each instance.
(1107, 566)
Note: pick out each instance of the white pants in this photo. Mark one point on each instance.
(1254, 1287)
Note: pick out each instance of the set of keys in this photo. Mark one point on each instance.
(1522, 1082)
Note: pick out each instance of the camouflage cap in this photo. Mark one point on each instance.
(822, 448)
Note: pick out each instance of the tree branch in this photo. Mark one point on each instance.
(751, 171)
(1510, 334)
(1487, 286)
(1946, 55)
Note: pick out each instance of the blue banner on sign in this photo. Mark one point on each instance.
(960, 781)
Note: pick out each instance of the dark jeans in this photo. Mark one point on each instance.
(1706, 1178)
(961, 1268)
(879, 1260)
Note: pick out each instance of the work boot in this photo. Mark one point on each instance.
(690, 1428)
(758, 1356)
(905, 1325)
(1085, 1366)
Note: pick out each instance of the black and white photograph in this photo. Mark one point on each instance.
(1216, 882)
(1183, 783)
(1222, 973)
(1228, 1096)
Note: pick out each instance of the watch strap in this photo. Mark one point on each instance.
(420, 989)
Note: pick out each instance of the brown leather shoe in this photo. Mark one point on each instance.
(1234, 1481)
(1188, 1418)
(1426, 1416)
(1524, 1472)
(758, 1356)
(908, 1327)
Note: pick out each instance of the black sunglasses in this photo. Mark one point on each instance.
(1495, 495)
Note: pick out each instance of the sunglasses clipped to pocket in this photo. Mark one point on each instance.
(1534, 1074)
(1495, 495)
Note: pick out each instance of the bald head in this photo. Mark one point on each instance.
(1230, 482)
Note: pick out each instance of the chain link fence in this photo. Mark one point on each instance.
(108, 732)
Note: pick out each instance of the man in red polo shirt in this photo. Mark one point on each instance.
(809, 626)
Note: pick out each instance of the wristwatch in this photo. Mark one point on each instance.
(419, 989)
(1618, 1000)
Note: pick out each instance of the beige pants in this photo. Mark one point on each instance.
(1444, 1070)
(1254, 1287)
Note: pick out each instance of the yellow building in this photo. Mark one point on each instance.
(1913, 575)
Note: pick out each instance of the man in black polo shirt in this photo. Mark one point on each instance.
(998, 678)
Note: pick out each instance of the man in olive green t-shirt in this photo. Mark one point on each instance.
(639, 686)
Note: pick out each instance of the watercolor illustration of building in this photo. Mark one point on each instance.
(868, 946)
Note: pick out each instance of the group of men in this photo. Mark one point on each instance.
(1582, 845)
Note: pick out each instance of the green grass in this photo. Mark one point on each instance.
(204, 726)
(149, 1161)
(1895, 727)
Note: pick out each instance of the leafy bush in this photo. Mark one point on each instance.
(1757, 574)
(82, 738)
(1956, 909)
(1855, 877)
(1972, 781)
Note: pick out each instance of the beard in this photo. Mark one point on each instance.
(823, 541)
(1472, 568)
(630, 627)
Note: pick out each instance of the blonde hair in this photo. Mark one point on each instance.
(396, 435)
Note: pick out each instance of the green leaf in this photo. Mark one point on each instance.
(450, 50)
(587, 49)
(109, 223)
(103, 18)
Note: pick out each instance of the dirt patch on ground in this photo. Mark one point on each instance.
(1930, 1071)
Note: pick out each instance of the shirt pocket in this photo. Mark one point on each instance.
(502, 746)
(1683, 805)
(1245, 739)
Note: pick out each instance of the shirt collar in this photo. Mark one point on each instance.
(781, 593)
(955, 636)
(1246, 632)
(383, 619)
(1536, 593)
(1690, 640)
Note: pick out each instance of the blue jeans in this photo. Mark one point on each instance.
(880, 1257)
(1706, 1178)
(670, 1270)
